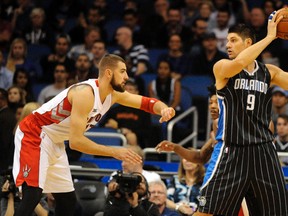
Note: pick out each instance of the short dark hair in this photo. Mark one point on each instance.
(211, 90)
(3, 94)
(244, 31)
(65, 36)
(61, 64)
(284, 116)
(109, 61)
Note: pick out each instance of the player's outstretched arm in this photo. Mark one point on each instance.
(193, 155)
(82, 99)
(151, 105)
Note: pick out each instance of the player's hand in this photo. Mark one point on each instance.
(127, 155)
(167, 114)
(165, 146)
(185, 209)
(272, 24)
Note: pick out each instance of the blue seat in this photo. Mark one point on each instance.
(186, 98)
(197, 84)
(154, 55)
(111, 27)
(36, 51)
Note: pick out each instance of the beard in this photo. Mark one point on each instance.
(116, 87)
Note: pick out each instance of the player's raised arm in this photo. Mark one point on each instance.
(241, 51)
(82, 99)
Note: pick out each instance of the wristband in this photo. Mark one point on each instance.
(147, 104)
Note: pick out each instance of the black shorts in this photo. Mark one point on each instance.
(233, 171)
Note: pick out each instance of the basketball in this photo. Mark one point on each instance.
(282, 27)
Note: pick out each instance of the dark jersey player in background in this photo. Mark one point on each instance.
(245, 156)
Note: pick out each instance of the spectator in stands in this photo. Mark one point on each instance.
(131, 20)
(204, 61)
(269, 6)
(180, 61)
(258, 22)
(122, 203)
(221, 28)
(158, 18)
(279, 104)
(184, 188)
(60, 83)
(98, 50)
(268, 58)
(135, 55)
(21, 17)
(22, 79)
(61, 13)
(5, 34)
(199, 28)
(15, 98)
(10, 201)
(38, 32)
(205, 9)
(17, 58)
(82, 70)
(6, 76)
(281, 140)
(173, 26)
(189, 12)
(130, 121)
(59, 55)
(92, 17)
(222, 5)
(19, 111)
(165, 87)
(7, 122)
(92, 33)
(158, 195)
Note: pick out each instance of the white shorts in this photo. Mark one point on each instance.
(40, 162)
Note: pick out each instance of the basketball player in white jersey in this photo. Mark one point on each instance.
(40, 161)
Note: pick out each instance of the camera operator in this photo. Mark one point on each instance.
(11, 198)
(128, 196)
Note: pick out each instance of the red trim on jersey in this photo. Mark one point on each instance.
(97, 83)
(29, 153)
(56, 115)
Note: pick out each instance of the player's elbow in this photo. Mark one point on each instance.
(74, 142)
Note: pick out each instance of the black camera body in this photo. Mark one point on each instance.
(127, 182)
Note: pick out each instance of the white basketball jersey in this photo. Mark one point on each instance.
(54, 116)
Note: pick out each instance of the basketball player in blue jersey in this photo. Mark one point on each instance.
(244, 156)
(40, 161)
